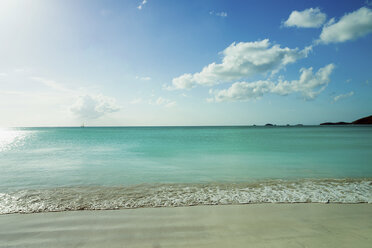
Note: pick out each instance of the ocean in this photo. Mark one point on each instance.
(71, 168)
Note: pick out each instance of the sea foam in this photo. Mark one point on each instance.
(176, 195)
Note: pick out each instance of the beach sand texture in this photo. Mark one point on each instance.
(256, 225)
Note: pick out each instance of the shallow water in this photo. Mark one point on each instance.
(38, 164)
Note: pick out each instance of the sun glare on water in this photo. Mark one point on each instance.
(10, 138)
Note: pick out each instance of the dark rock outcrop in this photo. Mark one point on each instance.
(363, 121)
(334, 123)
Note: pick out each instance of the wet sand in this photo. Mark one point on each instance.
(256, 225)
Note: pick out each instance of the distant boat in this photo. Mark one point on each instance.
(82, 125)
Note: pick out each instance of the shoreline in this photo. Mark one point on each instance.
(256, 225)
(183, 195)
(184, 206)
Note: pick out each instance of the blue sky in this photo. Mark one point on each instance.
(160, 62)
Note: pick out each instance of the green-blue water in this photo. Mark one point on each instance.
(49, 158)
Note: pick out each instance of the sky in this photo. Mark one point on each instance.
(186, 62)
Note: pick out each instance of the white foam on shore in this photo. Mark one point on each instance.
(175, 195)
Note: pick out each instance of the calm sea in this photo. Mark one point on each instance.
(57, 169)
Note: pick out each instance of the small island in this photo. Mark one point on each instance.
(363, 121)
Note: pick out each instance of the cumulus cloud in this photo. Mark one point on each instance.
(308, 18)
(140, 6)
(309, 85)
(242, 60)
(242, 91)
(185, 81)
(94, 106)
(342, 96)
(351, 26)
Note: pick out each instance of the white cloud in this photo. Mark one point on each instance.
(140, 6)
(50, 83)
(165, 102)
(94, 106)
(342, 96)
(185, 81)
(12, 92)
(22, 70)
(351, 26)
(242, 91)
(143, 78)
(242, 60)
(221, 14)
(87, 106)
(308, 18)
(309, 85)
(3, 74)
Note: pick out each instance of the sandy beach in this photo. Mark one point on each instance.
(256, 225)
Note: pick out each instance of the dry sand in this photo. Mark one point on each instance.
(260, 225)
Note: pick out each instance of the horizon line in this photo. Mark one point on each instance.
(253, 125)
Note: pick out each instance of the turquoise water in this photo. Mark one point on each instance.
(58, 158)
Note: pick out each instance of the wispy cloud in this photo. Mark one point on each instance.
(51, 84)
(12, 92)
(22, 70)
(140, 6)
(221, 14)
(342, 96)
(143, 78)
(164, 102)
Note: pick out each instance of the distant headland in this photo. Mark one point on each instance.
(363, 121)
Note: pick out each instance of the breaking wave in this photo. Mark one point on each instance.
(176, 195)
